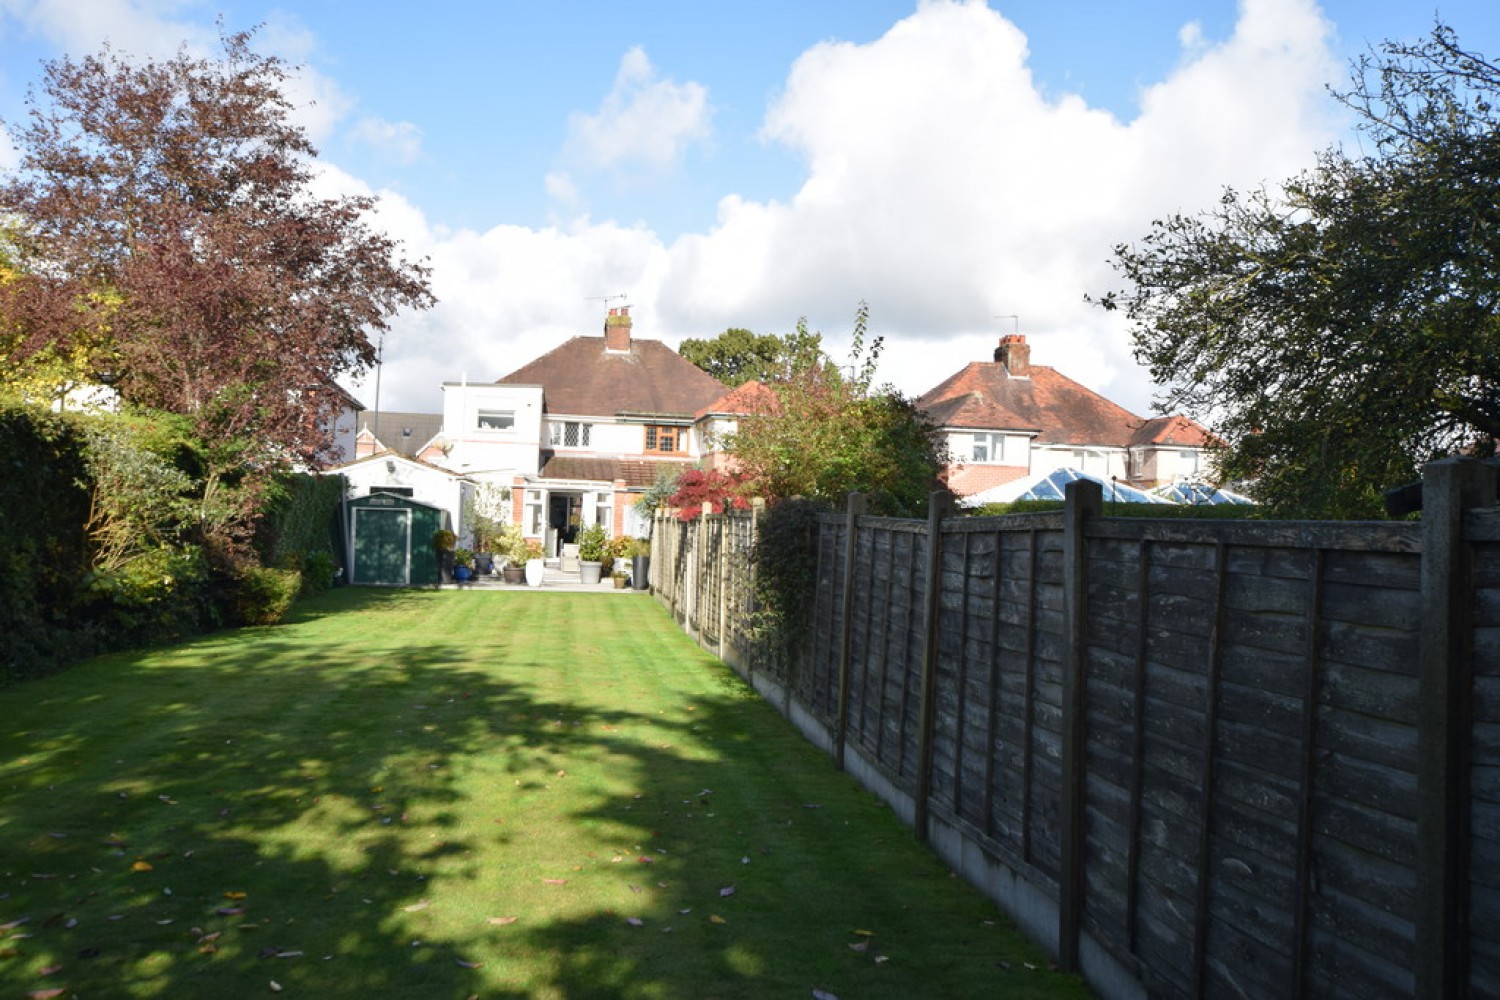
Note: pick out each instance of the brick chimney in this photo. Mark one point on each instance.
(1014, 354)
(617, 330)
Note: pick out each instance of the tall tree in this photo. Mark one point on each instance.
(169, 205)
(822, 433)
(1341, 329)
(737, 356)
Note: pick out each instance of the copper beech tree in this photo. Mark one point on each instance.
(163, 232)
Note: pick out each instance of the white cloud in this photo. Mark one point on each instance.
(399, 141)
(643, 122)
(946, 190)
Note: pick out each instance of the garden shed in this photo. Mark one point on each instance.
(390, 541)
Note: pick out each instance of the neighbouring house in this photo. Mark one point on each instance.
(719, 420)
(1008, 418)
(575, 435)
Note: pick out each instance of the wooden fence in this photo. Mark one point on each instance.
(1194, 758)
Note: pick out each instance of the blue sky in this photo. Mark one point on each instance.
(724, 165)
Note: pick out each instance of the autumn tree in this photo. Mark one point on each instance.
(1343, 327)
(737, 356)
(166, 239)
(825, 432)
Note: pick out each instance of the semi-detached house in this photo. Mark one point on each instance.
(575, 436)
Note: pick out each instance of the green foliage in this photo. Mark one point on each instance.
(656, 495)
(264, 595)
(829, 434)
(738, 356)
(484, 516)
(463, 557)
(1343, 325)
(1212, 511)
(43, 507)
(591, 543)
(511, 544)
(300, 518)
(444, 540)
(785, 557)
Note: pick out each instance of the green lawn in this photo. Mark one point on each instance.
(455, 794)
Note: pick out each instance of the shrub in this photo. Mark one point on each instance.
(263, 595)
(591, 543)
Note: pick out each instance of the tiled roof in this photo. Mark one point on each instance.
(638, 473)
(581, 378)
(1174, 430)
(404, 433)
(751, 397)
(984, 395)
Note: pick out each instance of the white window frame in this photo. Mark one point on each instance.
(483, 415)
(558, 433)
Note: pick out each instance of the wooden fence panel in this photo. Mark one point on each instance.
(1252, 700)
(1483, 884)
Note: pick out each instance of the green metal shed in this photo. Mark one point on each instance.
(390, 541)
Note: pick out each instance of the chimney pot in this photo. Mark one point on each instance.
(1014, 354)
(617, 329)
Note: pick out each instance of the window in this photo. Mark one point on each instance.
(533, 513)
(663, 438)
(990, 449)
(570, 434)
(497, 420)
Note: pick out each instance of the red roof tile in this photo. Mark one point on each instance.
(985, 396)
(751, 397)
(580, 377)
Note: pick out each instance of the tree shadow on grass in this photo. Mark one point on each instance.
(363, 816)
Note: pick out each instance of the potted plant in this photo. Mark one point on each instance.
(535, 568)
(621, 578)
(640, 563)
(443, 541)
(463, 565)
(591, 550)
(510, 546)
(616, 553)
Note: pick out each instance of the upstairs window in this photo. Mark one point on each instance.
(989, 449)
(570, 434)
(497, 420)
(661, 438)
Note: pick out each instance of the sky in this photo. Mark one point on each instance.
(964, 168)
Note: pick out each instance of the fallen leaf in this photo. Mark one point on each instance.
(882, 958)
(685, 911)
(823, 995)
(467, 965)
(502, 921)
(139, 866)
(646, 859)
(289, 954)
(728, 890)
(555, 881)
(635, 921)
(275, 986)
(714, 918)
(860, 946)
(413, 908)
(230, 911)
(50, 970)
(864, 933)
(45, 994)
(234, 895)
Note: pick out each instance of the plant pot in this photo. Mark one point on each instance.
(590, 572)
(484, 563)
(640, 571)
(620, 582)
(461, 574)
(535, 569)
(513, 573)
